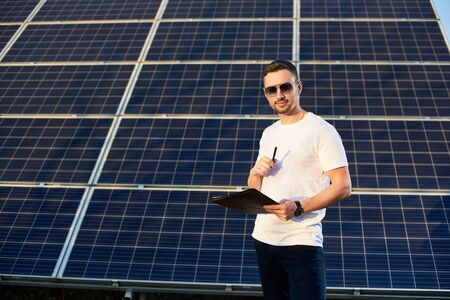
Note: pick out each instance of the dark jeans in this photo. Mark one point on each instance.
(291, 272)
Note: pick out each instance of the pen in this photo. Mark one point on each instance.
(274, 153)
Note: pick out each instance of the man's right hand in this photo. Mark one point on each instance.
(259, 170)
(262, 167)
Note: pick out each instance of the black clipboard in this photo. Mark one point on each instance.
(249, 201)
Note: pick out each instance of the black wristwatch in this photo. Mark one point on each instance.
(299, 210)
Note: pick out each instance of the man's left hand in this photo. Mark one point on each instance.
(284, 210)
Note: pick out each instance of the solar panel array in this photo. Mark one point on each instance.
(119, 120)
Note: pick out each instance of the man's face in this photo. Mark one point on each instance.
(284, 99)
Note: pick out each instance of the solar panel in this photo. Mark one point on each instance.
(229, 9)
(63, 10)
(367, 9)
(199, 89)
(222, 40)
(50, 150)
(388, 241)
(412, 155)
(397, 154)
(79, 42)
(376, 90)
(162, 236)
(6, 33)
(182, 152)
(378, 241)
(361, 41)
(34, 223)
(16, 10)
(62, 89)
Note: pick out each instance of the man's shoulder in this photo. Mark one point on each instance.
(272, 126)
(315, 121)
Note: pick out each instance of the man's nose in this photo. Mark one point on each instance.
(280, 94)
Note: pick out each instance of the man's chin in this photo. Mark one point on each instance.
(282, 111)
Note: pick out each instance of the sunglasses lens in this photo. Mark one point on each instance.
(271, 90)
(286, 88)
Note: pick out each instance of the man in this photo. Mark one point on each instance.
(309, 154)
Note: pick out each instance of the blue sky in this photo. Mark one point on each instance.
(443, 9)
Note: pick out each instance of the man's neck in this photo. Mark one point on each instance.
(293, 118)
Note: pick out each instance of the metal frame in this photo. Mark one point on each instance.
(216, 289)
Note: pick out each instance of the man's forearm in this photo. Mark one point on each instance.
(340, 189)
(285, 210)
(254, 181)
(327, 197)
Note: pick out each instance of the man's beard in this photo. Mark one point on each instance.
(285, 109)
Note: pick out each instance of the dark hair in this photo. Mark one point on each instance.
(278, 65)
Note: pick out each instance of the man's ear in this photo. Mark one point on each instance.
(300, 87)
(264, 92)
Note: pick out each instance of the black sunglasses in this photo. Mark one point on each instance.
(285, 88)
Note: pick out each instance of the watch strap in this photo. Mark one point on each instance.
(299, 210)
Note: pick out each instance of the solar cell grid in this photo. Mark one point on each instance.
(228, 9)
(79, 42)
(16, 10)
(50, 150)
(386, 241)
(162, 235)
(397, 154)
(62, 89)
(181, 151)
(246, 40)
(199, 89)
(34, 223)
(367, 9)
(63, 10)
(368, 41)
(376, 90)
(6, 33)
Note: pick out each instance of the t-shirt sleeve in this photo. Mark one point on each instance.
(262, 145)
(331, 150)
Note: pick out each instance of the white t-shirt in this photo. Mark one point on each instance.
(305, 150)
